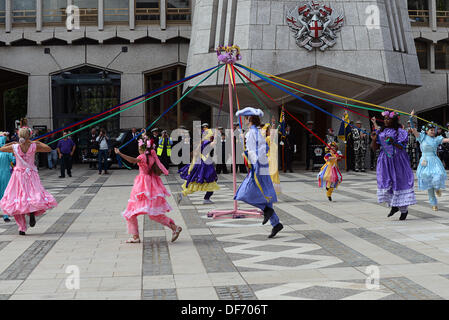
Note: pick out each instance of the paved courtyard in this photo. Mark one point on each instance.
(326, 250)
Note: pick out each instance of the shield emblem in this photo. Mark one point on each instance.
(315, 28)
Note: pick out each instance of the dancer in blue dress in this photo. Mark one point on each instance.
(431, 173)
(257, 188)
(5, 172)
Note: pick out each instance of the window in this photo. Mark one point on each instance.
(178, 10)
(442, 55)
(2, 12)
(418, 11)
(116, 10)
(23, 11)
(423, 54)
(53, 11)
(88, 11)
(82, 92)
(190, 109)
(442, 13)
(147, 11)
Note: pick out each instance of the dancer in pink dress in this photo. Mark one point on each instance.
(25, 194)
(148, 193)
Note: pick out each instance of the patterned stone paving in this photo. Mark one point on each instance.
(324, 252)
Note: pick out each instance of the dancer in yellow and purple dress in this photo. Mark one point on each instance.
(201, 175)
(329, 175)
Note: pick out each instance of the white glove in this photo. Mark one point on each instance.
(294, 149)
(281, 143)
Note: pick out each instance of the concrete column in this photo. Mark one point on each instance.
(8, 14)
(132, 86)
(432, 57)
(163, 14)
(38, 15)
(433, 14)
(100, 15)
(39, 109)
(132, 18)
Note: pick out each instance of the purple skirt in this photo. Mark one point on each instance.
(395, 179)
(201, 173)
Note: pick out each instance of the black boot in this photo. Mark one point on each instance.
(276, 229)
(393, 211)
(22, 233)
(403, 215)
(32, 220)
(267, 213)
(329, 198)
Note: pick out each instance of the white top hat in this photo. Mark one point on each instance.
(249, 111)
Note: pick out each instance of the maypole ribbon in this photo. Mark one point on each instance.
(339, 96)
(308, 102)
(302, 99)
(174, 104)
(121, 105)
(338, 103)
(116, 113)
(222, 96)
(283, 108)
(253, 93)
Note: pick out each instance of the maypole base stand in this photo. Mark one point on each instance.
(234, 214)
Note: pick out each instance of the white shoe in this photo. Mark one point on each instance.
(208, 201)
(133, 240)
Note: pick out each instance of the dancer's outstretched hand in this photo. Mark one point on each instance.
(117, 151)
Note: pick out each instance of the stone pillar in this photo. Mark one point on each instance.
(433, 14)
(163, 14)
(38, 15)
(39, 109)
(8, 15)
(100, 15)
(432, 57)
(131, 87)
(132, 18)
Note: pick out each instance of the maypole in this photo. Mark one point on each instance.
(229, 55)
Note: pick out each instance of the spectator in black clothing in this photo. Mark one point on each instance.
(93, 147)
(289, 149)
(103, 153)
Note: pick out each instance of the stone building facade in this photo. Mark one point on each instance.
(401, 62)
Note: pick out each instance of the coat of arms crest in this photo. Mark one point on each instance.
(314, 25)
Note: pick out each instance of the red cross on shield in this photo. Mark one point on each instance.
(315, 28)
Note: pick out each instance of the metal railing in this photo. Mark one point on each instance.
(147, 15)
(23, 16)
(179, 14)
(112, 15)
(88, 16)
(419, 17)
(443, 18)
(54, 16)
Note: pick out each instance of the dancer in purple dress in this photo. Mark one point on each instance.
(395, 179)
(200, 175)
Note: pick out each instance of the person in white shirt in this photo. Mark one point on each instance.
(103, 142)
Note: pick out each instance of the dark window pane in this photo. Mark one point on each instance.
(442, 55)
(422, 52)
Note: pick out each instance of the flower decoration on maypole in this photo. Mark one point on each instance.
(229, 54)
